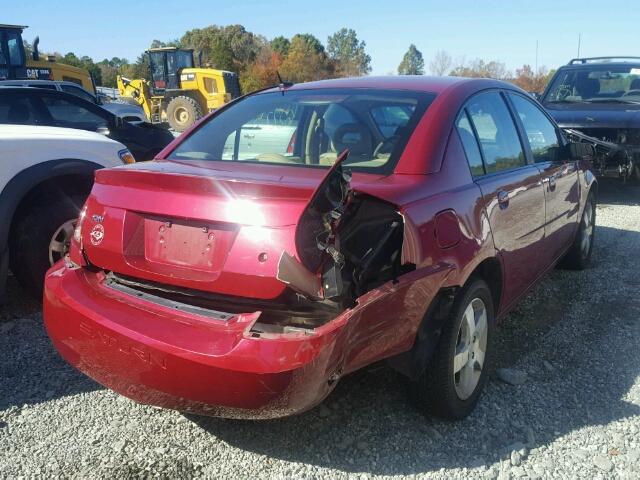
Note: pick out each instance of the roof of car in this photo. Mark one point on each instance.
(399, 82)
(21, 81)
(578, 65)
(38, 90)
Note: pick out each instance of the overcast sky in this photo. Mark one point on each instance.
(492, 30)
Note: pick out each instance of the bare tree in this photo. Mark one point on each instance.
(441, 63)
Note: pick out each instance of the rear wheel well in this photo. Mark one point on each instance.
(490, 270)
(49, 190)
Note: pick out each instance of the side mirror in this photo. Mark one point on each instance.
(118, 122)
(580, 151)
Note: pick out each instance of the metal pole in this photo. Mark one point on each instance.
(536, 72)
(579, 39)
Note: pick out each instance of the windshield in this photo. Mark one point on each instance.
(596, 84)
(311, 128)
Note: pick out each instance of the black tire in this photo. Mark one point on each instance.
(182, 112)
(437, 389)
(32, 238)
(578, 257)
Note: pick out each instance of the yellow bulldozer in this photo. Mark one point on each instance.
(14, 64)
(177, 92)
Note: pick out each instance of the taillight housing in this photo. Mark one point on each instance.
(75, 249)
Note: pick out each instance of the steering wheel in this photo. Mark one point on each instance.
(563, 92)
(631, 92)
(387, 141)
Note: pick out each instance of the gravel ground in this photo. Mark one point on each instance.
(577, 414)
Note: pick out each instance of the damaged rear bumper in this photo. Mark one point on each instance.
(225, 364)
(182, 360)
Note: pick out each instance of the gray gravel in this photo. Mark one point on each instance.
(577, 414)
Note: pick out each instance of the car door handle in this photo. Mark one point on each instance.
(503, 199)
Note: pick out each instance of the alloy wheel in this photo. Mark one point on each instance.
(587, 229)
(61, 241)
(471, 347)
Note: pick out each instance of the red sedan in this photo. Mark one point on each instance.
(303, 232)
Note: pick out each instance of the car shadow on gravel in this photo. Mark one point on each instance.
(577, 345)
(31, 371)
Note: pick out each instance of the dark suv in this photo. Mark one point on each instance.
(52, 108)
(600, 98)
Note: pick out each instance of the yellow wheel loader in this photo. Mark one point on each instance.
(14, 64)
(177, 92)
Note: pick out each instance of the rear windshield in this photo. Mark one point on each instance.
(311, 128)
(596, 83)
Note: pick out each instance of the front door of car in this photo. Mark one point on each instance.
(512, 192)
(559, 175)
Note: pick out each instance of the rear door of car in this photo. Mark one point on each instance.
(18, 108)
(559, 174)
(511, 188)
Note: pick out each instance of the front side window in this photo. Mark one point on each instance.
(72, 115)
(157, 70)
(541, 133)
(78, 92)
(308, 128)
(497, 134)
(15, 49)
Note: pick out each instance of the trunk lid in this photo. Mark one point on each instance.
(199, 225)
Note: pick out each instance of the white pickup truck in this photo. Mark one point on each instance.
(45, 175)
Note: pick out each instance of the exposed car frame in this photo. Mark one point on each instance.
(613, 129)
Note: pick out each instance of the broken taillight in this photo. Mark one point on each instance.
(77, 233)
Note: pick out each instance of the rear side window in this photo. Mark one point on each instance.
(470, 145)
(499, 140)
(541, 133)
(17, 110)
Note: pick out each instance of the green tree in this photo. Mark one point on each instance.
(312, 42)
(348, 53)
(281, 45)
(86, 63)
(304, 62)
(227, 48)
(412, 62)
(110, 69)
